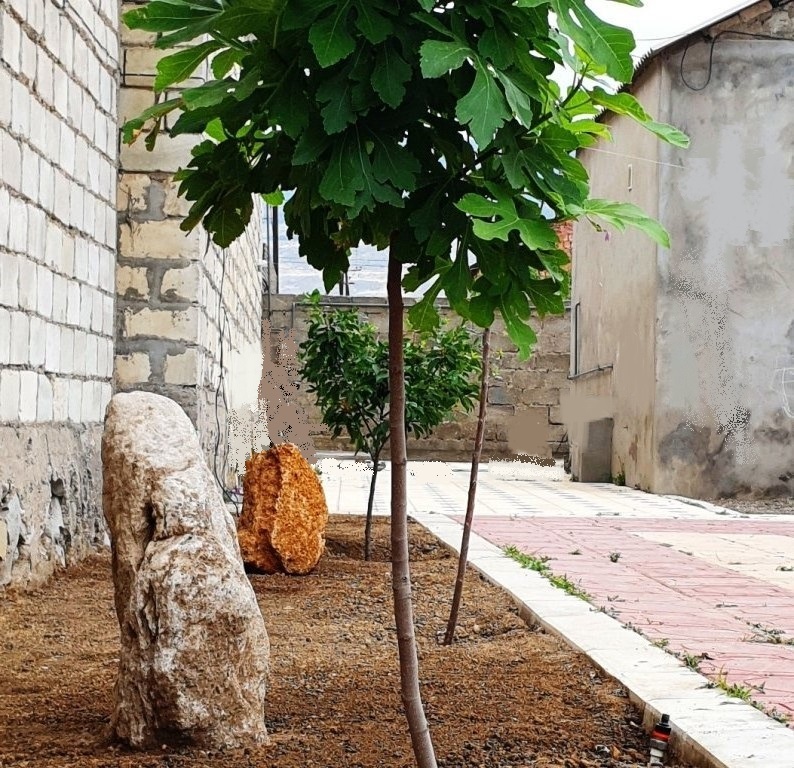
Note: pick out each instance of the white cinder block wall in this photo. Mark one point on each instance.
(59, 64)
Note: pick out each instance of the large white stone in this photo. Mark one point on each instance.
(195, 652)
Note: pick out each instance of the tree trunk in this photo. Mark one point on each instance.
(401, 576)
(475, 468)
(370, 504)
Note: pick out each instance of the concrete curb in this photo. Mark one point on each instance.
(709, 728)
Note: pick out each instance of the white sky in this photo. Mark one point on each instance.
(659, 21)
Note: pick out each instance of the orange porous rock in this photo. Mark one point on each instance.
(282, 525)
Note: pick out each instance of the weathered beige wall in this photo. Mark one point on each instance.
(523, 417)
(58, 72)
(178, 294)
(613, 299)
(725, 415)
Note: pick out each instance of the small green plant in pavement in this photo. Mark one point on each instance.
(538, 564)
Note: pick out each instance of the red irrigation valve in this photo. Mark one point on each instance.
(660, 737)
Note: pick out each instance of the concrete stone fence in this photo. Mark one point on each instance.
(524, 398)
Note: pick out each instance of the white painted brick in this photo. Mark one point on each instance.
(44, 404)
(81, 259)
(20, 339)
(75, 400)
(80, 159)
(75, 99)
(109, 348)
(93, 167)
(73, 303)
(52, 29)
(79, 353)
(35, 15)
(92, 355)
(101, 356)
(111, 228)
(67, 255)
(92, 78)
(37, 127)
(37, 232)
(62, 190)
(44, 77)
(12, 42)
(75, 207)
(38, 341)
(9, 280)
(52, 348)
(5, 336)
(66, 364)
(44, 292)
(46, 185)
(105, 393)
(9, 395)
(89, 225)
(87, 117)
(68, 40)
(18, 225)
(90, 403)
(28, 290)
(5, 103)
(30, 173)
(20, 108)
(67, 148)
(96, 311)
(80, 63)
(28, 395)
(108, 315)
(106, 263)
(60, 87)
(53, 243)
(28, 56)
(11, 154)
(86, 306)
(93, 264)
(5, 203)
(60, 399)
(59, 290)
(132, 369)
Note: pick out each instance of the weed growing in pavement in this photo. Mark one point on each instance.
(692, 660)
(538, 564)
(662, 642)
(736, 690)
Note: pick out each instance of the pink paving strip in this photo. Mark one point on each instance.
(698, 608)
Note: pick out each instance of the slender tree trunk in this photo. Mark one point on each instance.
(475, 469)
(401, 576)
(370, 504)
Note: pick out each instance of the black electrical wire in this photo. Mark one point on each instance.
(753, 35)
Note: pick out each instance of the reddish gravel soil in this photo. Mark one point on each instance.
(503, 696)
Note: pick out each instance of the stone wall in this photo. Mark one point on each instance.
(171, 316)
(524, 398)
(58, 73)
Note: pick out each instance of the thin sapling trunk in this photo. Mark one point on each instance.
(370, 504)
(475, 469)
(401, 575)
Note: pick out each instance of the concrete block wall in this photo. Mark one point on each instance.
(524, 396)
(178, 294)
(58, 156)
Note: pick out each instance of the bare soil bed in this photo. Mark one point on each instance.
(504, 696)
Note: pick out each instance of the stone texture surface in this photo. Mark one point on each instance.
(194, 650)
(282, 526)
